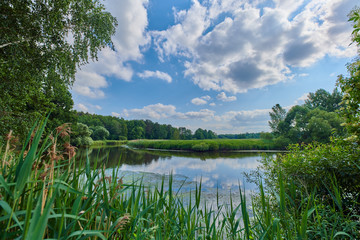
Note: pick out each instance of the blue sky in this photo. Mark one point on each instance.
(216, 64)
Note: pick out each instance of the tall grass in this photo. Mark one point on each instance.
(106, 143)
(45, 193)
(205, 145)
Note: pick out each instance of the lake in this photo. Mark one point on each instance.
(220, 173)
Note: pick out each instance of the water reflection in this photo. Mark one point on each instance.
(222, 170)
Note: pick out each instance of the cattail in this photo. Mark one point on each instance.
(123, 221)
(69, 150)
(8, 138)
(64, 130)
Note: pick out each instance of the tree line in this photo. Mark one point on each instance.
(97, 127)
(318, 119)
(240, 136)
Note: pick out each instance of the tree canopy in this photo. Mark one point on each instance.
(42, 43)
(316, 120)
(350, 85)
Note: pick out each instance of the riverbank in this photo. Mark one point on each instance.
(104, 143)
(205, 145)
(44, 194)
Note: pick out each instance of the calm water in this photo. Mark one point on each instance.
(219, 173)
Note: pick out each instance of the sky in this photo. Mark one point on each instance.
(219, 65)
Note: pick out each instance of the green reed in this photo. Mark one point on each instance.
(47, 194)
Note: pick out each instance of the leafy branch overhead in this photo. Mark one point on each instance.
(350, 85)
(42, 43)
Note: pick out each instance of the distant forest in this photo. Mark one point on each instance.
(315, 120)
(240, 136)
(100, 127)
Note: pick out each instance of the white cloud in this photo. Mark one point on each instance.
(129, 38)
(302, 99)
(198, 101)
(115, 114)
(81, 107)
(222, 96)
(241, 121)
(161, 111)
(247, 48)
(155, 111)
(201, 101)
(156, 74)
(255, 120)
(86, 107)
(203, 114)
(89, 84)
(303, 74)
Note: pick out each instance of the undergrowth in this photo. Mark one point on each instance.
(47, 194)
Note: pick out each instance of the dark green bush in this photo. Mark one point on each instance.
(201, 147)
(122, 138)
(321, 167)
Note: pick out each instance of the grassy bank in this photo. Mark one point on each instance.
(46, 194)
(104, 143)
(205, 145)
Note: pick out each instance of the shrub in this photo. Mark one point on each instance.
(321, 167)
(122, 138)
(201, 147)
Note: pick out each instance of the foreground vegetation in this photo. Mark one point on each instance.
(46, 194)
(205, 145)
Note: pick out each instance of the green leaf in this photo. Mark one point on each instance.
(8, 209)
(26, 167)
(342, 234)
(6, 186)
(88, 233)
(38, 222)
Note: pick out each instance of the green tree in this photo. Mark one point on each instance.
(199, 134)
(211, 135)
(175, 134)
(185, 134)
(81, 135)
(350, 85)
(277, 115)
(42, 43)
(324, 100)
(266, 136)
(100, 133)
(137, 133)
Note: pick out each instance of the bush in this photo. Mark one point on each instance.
(282, 142)
(321, 167)
(201, 147)
(122, 138)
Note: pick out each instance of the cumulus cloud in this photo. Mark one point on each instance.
(156, 74)
(115, 114)
(81, 107)
(89, 84)
(155, 111)
(303, 75)
(128, 41)
(198, 101)
(240, 121)
(302, 99)
(222, 96)
(86, 107)
(234, 46)
(161, 111)
(201, 101)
